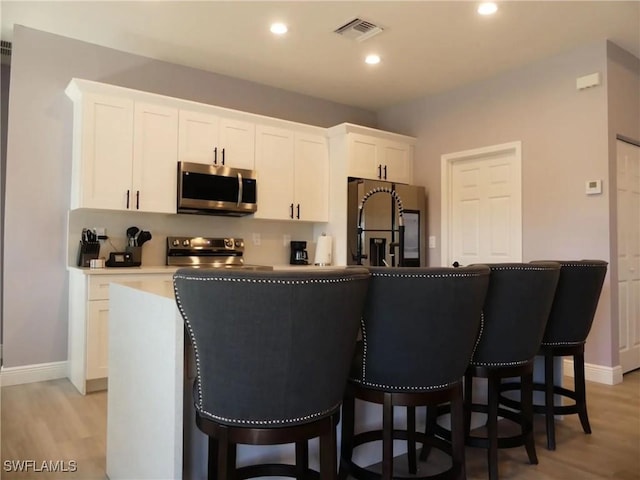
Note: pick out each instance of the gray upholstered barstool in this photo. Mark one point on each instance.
(514, 317)
(574, 307)
(418, 332)
(272, 354)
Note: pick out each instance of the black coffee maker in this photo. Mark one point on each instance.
(299, 255)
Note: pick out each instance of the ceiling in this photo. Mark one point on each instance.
(426, 46)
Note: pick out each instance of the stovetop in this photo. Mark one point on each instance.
(208, 252)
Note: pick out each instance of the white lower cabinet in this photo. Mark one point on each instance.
(89, 325)
(97, 339)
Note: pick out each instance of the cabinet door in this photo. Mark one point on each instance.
(397, 161)
(197, 137)
(274, 171)
(363, 157)
(155, 157)
(311, 183)
(97, 339)
(107, 152)
(237, 144)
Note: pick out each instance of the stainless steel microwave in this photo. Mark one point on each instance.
(211, 190)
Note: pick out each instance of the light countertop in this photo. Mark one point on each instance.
(171, 269)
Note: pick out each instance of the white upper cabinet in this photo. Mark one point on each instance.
(155, 149)
(124, 154)
(274, 171)
(197, 137)
(293, 175)
(238, 142)
(373, 154)
(311, 184)
(103, 152)
(214, 140)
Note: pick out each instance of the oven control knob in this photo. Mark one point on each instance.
(185, 243)
(239, 243)
(175, 243)
(228, 242)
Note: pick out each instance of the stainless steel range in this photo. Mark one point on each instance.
(208, 252)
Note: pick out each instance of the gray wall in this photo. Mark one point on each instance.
(39, 166)
(565, 142)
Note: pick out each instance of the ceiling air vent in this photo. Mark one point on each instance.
(358, 29)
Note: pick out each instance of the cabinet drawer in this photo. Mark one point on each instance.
(98, 285)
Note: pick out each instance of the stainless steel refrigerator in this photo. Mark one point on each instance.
(379, 230)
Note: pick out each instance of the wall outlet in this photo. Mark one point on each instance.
(256, 239)
(432, 241)
(286, 240)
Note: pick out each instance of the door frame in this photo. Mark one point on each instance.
(446, 172)
(615, 261)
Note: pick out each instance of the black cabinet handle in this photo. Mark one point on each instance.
(137, 199)
(127, 199)
(291, 214)
(379, 171)
(223, 157)
(385, 172)
(215, 156)
(298, 212)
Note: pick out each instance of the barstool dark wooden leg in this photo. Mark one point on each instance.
(468, 401)
(527, 416)
(429, 431)
(387, 438)
(212, 459)
(302, 459)
(226, 457)
(411, 440)
(328, 444)
(549, 382)
(458, 435)
(492, 425)
(348, 421)
(581, 391)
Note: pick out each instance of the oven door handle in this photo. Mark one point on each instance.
(239, 188)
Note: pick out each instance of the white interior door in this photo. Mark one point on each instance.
(628, 171)
(482, 205)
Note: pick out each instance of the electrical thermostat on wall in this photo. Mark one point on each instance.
(593, 187)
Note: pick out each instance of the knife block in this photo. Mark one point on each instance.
(86, 252)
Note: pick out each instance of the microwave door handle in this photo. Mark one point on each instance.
(239, 189)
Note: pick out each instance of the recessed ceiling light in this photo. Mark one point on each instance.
(279, 28)
(372, 59)
(487, 8)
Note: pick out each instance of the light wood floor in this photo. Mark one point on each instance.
(51, 421)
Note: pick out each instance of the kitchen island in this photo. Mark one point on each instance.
(151, 432)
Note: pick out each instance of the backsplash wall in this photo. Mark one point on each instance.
(271, 251)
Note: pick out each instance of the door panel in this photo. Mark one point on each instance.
(482, 206)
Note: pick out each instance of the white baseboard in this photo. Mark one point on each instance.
(596, 373)
(32, 373)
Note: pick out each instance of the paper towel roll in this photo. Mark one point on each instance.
(323, 251)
